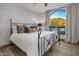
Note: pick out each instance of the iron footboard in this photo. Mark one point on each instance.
(45, 42)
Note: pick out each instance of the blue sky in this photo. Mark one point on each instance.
(58, 14)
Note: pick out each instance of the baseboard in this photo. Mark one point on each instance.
(3, 46)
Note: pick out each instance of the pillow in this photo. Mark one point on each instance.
(14, 29)
(32, 29)
(21, 29)
(26, 29)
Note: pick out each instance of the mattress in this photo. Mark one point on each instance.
(28, 42)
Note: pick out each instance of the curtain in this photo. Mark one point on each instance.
(72, 28)
(46, 23)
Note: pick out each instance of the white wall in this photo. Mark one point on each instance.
(15, 12)
(41, 18)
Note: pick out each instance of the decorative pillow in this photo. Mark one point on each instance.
(26, 30)
(32, 29)
(21, 29)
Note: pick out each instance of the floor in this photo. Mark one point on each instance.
(64, 49)
(11, 51)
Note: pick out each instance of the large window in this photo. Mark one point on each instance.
(56, 18)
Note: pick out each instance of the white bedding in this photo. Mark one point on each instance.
(28, 42)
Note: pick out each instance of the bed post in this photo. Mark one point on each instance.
(39, 32)
(38, 43)
(10, 26)
(11, 31)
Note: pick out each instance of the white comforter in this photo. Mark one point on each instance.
(28, 42)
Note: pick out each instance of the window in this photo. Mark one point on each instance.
(56, 18)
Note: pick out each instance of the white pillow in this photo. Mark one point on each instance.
(14, 29)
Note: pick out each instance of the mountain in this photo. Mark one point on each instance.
(57, 22)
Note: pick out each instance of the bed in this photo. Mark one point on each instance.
(35, 43)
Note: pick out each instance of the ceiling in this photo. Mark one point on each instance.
(40, 7)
